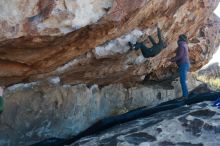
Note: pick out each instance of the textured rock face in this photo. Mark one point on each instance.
(211, 71)
(95, 49)
(210, 74)
(85, 41)
(196, 125)
(37, 111)
(48, 17)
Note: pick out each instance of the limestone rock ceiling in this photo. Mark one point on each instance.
(55, 38)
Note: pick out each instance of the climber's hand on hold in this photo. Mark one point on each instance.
(172, 59)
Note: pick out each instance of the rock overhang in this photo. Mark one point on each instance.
(97, 51)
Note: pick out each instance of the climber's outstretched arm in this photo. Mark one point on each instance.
(152, 40)
(161, 41)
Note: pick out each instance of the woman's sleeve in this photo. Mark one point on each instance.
(180, 53)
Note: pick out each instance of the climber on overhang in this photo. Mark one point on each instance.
(154, 50)
(1, 99)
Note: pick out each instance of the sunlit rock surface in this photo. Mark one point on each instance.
(211, 71)
(197, 125)
(48, 17)
(86, 41)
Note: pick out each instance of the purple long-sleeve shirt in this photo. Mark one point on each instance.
(182, 54)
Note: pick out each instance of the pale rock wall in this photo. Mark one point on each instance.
(48, 17)
(40, 110)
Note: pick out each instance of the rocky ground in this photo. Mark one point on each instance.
(196, 125)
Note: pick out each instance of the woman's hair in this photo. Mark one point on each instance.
(183, 37)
